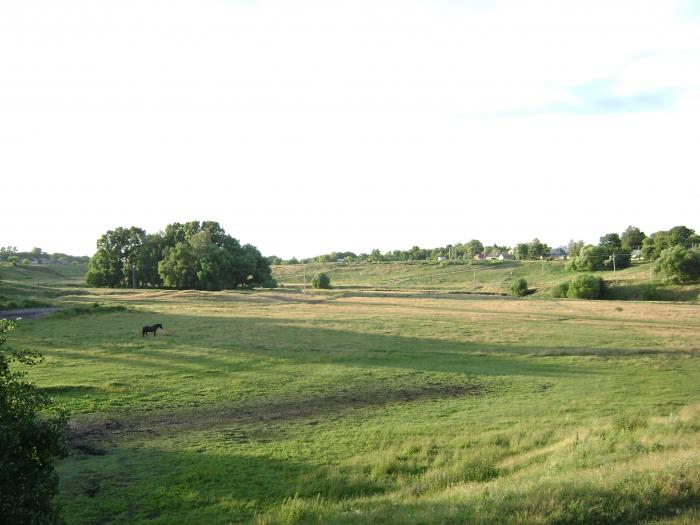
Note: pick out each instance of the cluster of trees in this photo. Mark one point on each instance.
(10, 254)
(192, 255)
(532, 250)
(656, 243)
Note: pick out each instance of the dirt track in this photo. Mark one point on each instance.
(168, 422)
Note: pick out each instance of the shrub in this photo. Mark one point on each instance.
(29, 443)
(585, 286)
(321, 280)
(519, 287)
(561, 289)
(678, 265)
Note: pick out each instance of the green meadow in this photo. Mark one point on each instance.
(362, 406)
(484, 277)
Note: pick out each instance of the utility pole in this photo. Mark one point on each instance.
(613, 258)
(474, 278)
(133, 277)
(304, 277)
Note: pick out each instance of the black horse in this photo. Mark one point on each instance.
(152, 328)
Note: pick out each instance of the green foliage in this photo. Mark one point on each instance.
(586, 286)
(560, 290)
(537, 249)
(472, 248)
(622, 260)
(574, 248)
(191, 255)
(321, 280)
(590, 259)
(30, 444)
(632, 238)
(522, 251)
(519, 287)
(656, 243)
(678, 265)
(611, 241)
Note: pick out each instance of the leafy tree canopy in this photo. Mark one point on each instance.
(611, 241)
(632, 238)
(678, 265)
(190, 255)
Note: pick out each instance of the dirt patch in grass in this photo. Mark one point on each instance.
(169, 422)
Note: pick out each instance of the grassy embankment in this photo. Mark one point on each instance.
(279, 407)
(481, 277)
(38, 285)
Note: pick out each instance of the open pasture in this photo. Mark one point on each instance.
(280, 407)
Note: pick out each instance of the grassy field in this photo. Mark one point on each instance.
(352, 407)
(38, 285)
(493, 277)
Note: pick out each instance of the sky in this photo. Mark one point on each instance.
(311, 126)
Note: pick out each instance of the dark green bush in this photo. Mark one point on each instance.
(30, 443)
(519, 287)
(321, 280)
(586, 286)
(561, 289)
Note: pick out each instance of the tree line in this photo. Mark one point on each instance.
(10, 254)
(192, 255)
(620, 244)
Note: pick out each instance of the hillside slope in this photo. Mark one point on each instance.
(479, 277)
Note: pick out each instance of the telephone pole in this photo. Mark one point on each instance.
(613, 258)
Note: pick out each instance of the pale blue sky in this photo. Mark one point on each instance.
(311, 126)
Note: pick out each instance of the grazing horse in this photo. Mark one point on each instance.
(152, 328)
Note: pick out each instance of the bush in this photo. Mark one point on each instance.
(561, 289)
(585, 286)
(29, 443)
(519, 287)
(678, 265)
(321, 280)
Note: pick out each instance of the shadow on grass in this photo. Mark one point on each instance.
(195, 343)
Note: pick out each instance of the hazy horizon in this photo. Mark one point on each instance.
(309, 127)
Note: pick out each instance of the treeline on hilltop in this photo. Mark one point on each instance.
(10, 254)
(612, 249)
(192, 255)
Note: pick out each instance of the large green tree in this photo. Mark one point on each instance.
(472, 248)
(632, 238)
(611, 241)
(116, 258)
